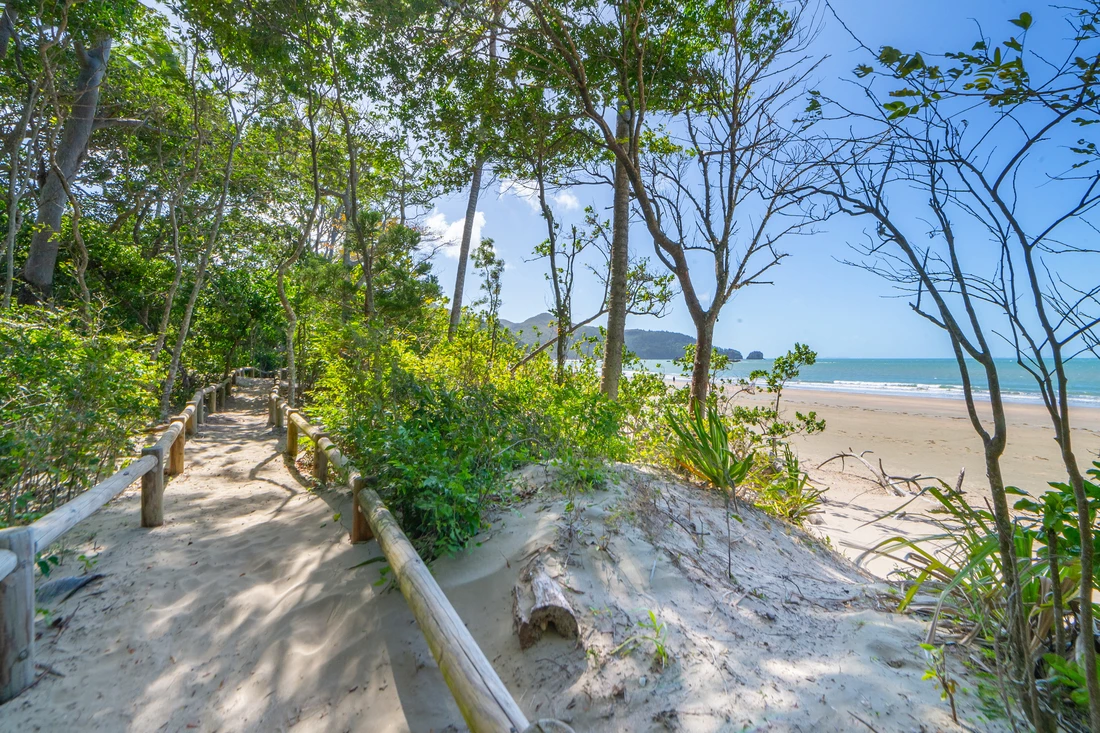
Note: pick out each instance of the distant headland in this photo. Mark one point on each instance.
(644, 343)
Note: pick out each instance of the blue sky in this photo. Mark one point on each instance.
(839, 310)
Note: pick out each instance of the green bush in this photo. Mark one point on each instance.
(789, 494)
(436, 425)
(71, 399)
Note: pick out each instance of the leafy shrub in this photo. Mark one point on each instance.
(703, 449)
(768, 424)
(437, 424)
(789, 494)
(960, 563)
(71, 399)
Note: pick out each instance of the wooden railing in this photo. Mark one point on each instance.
(485, 702)
(20, 545)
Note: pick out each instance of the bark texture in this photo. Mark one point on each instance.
(700, 371)
(38, 272)
(7, 28)
(464, 248)
(620, 265)
(538, 604)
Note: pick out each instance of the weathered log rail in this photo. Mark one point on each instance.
(482, 697)
(20, 545)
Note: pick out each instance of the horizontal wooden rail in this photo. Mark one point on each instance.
(20, 545)
(485, 702)
(49, 528)
(8, 561)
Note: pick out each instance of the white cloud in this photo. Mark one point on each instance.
(525, 190)
(528, 191)
(450, 233)
(567, 201)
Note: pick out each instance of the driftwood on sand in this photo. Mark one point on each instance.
(879, 475)
(537, 603)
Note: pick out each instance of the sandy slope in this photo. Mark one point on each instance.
(245, 612)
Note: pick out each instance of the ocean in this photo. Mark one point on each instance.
(918, 377)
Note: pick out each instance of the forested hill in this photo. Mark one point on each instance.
(643, 342)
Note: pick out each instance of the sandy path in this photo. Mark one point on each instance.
(240, 613)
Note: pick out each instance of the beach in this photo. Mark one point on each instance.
(935, 437)
(927, 436)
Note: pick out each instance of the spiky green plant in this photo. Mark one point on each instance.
(703, 450)
(789, 494)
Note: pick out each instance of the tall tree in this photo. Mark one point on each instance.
(706, 87)
(615, 342)
(991, 255)
(38, 271)
(481, 154)
(229, 82)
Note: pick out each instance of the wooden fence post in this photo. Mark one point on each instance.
(175, 455)
(279, 414)
(212, 402)
(190, 424)
(360, 527)
(291, 435)
(17, 614)
(152, 489)
(320, 461)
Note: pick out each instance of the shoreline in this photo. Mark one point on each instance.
(934, 436)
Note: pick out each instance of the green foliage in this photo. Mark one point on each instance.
(656, 635)
(46, 563)
(437, 424)
(703, 449)
(1067, 674)
(491, 267)
(768, 422)
(937, 671)
(71, 399)
(961, 564)
(789, 494)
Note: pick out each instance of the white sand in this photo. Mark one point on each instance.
(243, 613)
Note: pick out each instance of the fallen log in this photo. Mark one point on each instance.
(539, 603)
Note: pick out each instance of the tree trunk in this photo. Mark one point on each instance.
(547, 344)
(1018, 631)
(464, 248)
(700, 369)
(7, 28)
(189, 311)
(620, 265)
(299, 246)
(177, 278)
(1086, 641)
(562, 295)
(38, 272)
(15, 191)
(475, 187)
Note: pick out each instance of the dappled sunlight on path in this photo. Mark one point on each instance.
(243, 612)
